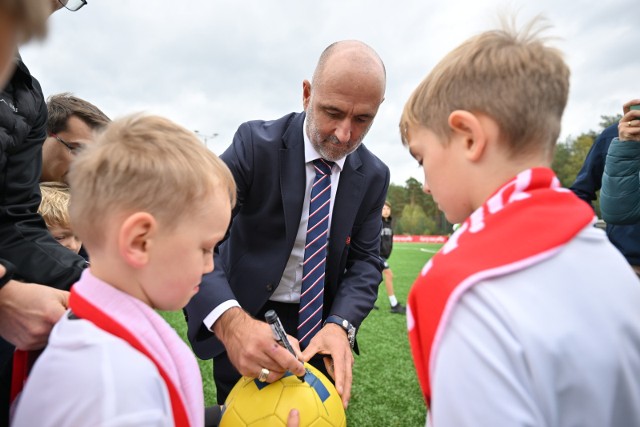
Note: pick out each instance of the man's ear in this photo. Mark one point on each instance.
(135, 238)
(468, 129)
(306, 94)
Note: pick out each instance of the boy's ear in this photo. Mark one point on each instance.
(468, 129)
(135, 236)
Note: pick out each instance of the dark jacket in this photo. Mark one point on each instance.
(268, 164)
(620, 193)
(386, 238)
(24, 238)
(589, 180)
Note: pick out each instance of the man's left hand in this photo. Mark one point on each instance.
(332, 340)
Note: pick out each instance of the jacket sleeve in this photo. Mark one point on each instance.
(620, 193)
(215, 288)
(589, 179)
(359, 281)
(24, 238)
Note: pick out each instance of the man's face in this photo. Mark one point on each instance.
(56, 157)
(340, 112)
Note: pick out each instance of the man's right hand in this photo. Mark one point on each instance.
(28, 312)
(251, 347)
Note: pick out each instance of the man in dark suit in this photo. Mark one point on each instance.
(260, 265)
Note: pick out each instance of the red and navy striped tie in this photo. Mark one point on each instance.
(315, 254)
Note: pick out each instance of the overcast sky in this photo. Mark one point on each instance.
(212, 64)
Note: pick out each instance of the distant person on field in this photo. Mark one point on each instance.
(386, 246)
(150, 202)
(528, 315)
(54, 209)
(620, 193)
(71, 124)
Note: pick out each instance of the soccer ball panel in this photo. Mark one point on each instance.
(252, 403)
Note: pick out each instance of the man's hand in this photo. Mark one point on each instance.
(332, 340)
(251, 347)
(28, 312)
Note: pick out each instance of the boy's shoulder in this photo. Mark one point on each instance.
(89, 367)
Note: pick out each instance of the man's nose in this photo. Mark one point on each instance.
(343, 131)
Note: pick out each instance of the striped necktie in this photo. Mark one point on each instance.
(315, 254)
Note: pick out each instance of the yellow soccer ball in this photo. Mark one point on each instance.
(256, 404)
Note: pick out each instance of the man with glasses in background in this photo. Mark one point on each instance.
(70, 127)
(35, 270)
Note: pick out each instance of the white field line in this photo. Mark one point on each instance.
(428, 250)
(431, 251)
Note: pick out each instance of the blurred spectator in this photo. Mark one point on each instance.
(589, 180)
(70, 127)
(28, 253)
(54, 209)
(620, 194)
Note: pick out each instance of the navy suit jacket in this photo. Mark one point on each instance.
(268, 164)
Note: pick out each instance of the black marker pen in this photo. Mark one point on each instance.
(279, 334)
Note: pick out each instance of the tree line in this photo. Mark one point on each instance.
(415, 212)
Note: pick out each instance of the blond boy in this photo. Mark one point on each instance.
(528, 315)
(54, 209)
(149, 202)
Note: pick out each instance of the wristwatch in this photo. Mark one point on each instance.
(344, 324)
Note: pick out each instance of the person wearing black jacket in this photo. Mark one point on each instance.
(35, 270)
(386, 246)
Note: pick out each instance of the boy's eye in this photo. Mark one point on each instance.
(207, 251)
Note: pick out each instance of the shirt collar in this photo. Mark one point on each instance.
(310, 153)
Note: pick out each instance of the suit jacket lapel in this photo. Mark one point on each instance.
(347, 202)
(292, 177)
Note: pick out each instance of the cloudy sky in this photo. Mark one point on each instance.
(213, 64)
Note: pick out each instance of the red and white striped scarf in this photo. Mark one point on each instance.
(526, 221)
(135, 322)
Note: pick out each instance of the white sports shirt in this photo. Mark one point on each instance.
(554, 345)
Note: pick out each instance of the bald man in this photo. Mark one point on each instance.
(262, 264)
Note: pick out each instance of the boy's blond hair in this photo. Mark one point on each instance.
(54, 206)
(508, 75)
(143, 163)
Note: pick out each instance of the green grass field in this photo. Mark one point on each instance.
(385, 389)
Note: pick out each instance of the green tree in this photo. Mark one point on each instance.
(606, 121)
(415, 221)
(569, 157)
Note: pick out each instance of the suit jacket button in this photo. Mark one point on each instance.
(269, 287)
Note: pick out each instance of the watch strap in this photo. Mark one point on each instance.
(344, 324)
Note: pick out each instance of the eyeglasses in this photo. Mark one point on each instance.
(73, 5)
(73, 149)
